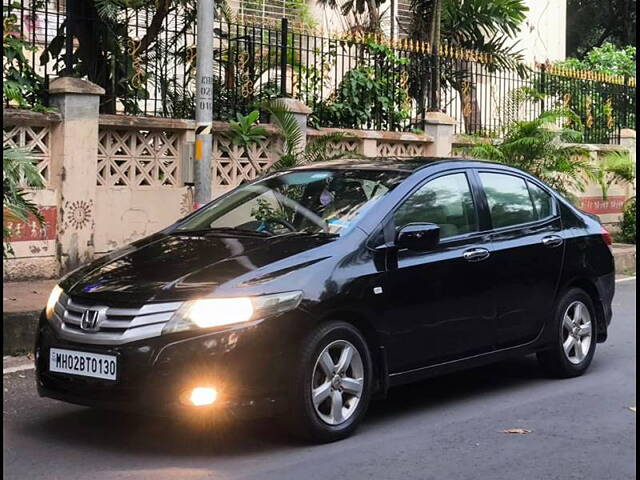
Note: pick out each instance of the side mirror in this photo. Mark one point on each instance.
(418, 236)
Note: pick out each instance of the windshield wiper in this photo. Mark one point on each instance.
(214, 230)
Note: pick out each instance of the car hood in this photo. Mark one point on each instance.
(170, 267)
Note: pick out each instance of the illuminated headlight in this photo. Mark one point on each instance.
(220, 312)
(51, 303)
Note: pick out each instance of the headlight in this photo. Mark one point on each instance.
(220, 312)
(51, 303)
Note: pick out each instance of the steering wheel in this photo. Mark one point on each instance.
(279, 221)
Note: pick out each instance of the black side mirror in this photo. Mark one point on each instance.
(418, 236)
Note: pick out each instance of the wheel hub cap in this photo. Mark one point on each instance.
(576, 332)
(337, 382)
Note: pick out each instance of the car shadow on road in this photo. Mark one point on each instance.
(84, 428)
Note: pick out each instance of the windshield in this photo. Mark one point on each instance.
(306, 201)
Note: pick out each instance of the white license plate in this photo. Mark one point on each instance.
(83, 363)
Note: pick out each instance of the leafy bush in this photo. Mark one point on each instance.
(628, 223)
(536, 146)
(606, 59)
(366, 98)
(21, 85)
(18, 172)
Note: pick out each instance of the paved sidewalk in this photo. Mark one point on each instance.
(26, 296)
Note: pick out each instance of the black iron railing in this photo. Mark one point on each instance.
(145, 59)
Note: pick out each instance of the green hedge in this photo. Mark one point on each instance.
(628, 223)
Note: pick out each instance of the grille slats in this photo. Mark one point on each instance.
(119, 325)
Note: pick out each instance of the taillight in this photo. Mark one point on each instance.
(606, 236)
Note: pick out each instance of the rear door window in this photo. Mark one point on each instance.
(542, 201)
(510, 202)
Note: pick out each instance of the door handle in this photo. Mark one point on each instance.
(475, 254)
(552, 241)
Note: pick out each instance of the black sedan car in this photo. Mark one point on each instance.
(307, 292)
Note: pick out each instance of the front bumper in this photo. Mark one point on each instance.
(245, 365)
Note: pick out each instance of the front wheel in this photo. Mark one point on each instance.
(575, 336)
(331, 388)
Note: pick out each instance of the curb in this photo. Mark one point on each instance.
(624, 257)
(19, 332)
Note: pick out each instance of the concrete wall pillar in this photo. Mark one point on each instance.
(369, 147)
(75, 158)
(628, 140)
(439, 126)
(301, 113)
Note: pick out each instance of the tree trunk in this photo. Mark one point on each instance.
(468, 92)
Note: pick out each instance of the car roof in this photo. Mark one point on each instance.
(390, 163)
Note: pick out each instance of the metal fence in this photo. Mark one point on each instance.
(145, 59)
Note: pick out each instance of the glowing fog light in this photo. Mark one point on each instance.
(201, 396)
(51, 303)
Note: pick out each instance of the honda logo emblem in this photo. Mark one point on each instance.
(91, 319)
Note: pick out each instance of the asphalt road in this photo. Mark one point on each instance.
(446, 428)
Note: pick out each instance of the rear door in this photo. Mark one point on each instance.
(527, 249)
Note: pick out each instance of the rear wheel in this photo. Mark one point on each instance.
(575, 341)
(331, 388)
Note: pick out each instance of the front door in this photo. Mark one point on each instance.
(440, 302)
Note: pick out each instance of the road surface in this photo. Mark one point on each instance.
(446, 428)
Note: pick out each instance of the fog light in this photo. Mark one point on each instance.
(201, 396)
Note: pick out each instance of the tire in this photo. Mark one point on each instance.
(326, 422)
(561, 362)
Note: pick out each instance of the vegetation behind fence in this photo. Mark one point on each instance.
(145, 60)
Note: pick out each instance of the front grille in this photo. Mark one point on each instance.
(118, 326)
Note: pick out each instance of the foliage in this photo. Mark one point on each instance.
(591, 23)
(538, 147)
(370, 8)
(18, 172)
(294, 154)
(245, 132)
(21, 86)
(628, 222)
(613, 167)
(596, 102)
(365, 98)
(606, 59)
(486, 26)
(123, 65)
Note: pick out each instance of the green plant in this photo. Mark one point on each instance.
(294, 154)
(607, 59)
(613, 167)
(18, 173)
(628, 222)
(371, 8)
(365, 98)
(596, 102)
(486, 26)
(538, 147)
(21, 85)
(244, 131)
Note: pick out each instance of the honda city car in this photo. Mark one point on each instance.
(308, 292)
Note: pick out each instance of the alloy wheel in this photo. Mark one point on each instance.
(337, 383)
(577, 332)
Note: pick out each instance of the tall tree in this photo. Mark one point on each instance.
(592, 23)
